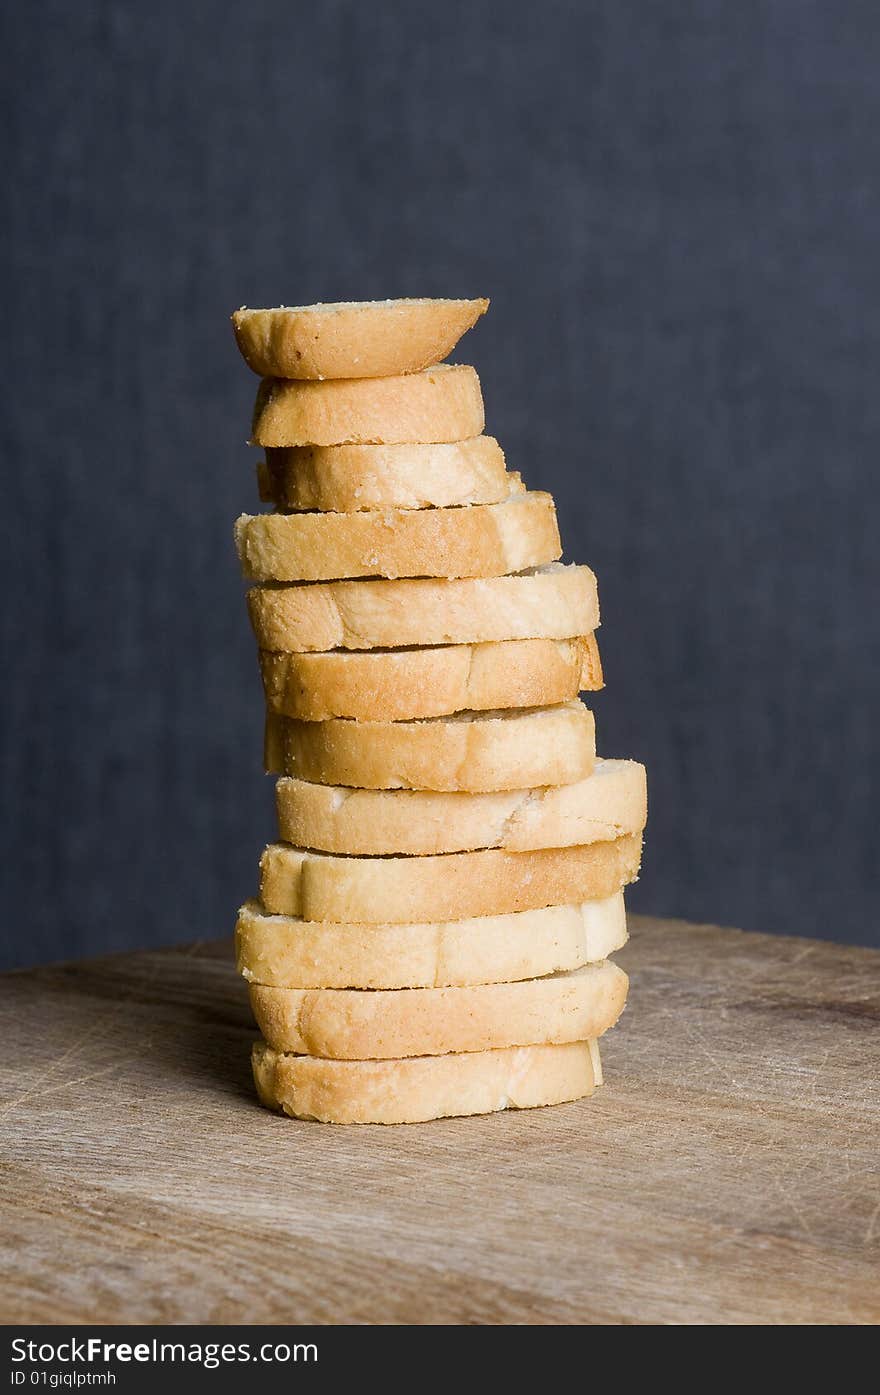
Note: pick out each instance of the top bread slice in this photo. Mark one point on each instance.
(551, 602)
(474, 540)
(352, 339)
(347, 479)
(439, 404)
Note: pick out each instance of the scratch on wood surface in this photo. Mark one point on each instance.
(696, 1036)
(38, 1091)
(96, 1032)
(803, 953)
(792, 1205)
(820, 1072)
(93, 1033)
(92, 1075)
(872, 1224)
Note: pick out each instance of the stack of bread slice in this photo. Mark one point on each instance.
(434, 925)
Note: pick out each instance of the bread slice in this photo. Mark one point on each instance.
(451, 886)
(476, 751)
(354, 1025)
(552, 602)
(474, 540)
(345, 479)
(397, 685)
(285, 952)
(610, 802)
(352, 339)
(424, 1087)
(438, 404)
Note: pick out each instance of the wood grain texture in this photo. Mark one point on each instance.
(728, 1172)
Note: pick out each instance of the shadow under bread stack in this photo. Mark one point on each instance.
(435, 922)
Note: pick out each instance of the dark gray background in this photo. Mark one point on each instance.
(675, 210)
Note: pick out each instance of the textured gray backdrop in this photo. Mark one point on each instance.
(675, 210)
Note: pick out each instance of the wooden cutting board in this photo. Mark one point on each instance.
(728, 1172)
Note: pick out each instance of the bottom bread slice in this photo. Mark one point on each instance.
(285, 952)
(424, 1087)
(353, 1024)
